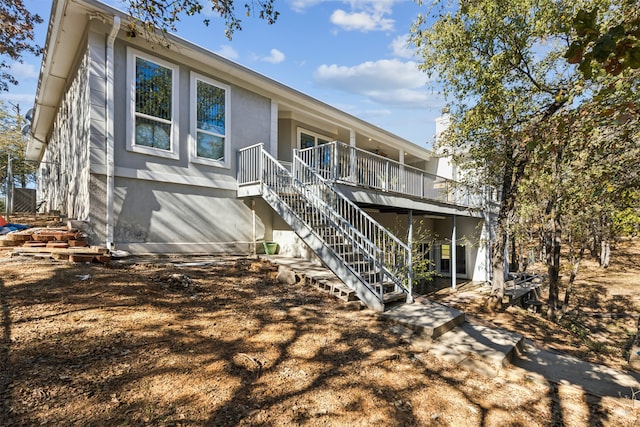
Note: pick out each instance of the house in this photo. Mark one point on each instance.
(178, 150)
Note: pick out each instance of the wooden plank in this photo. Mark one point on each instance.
(93, 250)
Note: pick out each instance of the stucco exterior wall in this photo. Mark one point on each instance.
(286, 139)
(64, 172)
(164, 205)
(163, 217)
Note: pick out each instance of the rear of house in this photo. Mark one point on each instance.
(178, 150)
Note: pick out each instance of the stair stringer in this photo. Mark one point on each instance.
(324, 252)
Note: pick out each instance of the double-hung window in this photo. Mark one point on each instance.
(152, 105)
(209, 121)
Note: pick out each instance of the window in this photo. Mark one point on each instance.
(307, 139)
(209, 121)
(322, 158)
(152, 108)
(445, 259)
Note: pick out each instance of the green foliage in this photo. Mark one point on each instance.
(16, 38)
(608, 40)
(626, 222)
(12, 143)
(423, 268)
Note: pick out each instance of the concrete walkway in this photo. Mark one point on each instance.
(444, 331)
(560, 368)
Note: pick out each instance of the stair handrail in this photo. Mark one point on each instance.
(257, 166)
(302, 188)
(271, 180)
(309, 194)
(369, 224)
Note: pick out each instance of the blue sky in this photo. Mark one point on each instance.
(349, 54)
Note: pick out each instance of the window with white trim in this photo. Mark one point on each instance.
(209, 121)
(152, 105)
(307, 139)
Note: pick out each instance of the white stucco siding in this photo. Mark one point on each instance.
(97, 97)
(174, 205)
(64, 171)
(172, 218)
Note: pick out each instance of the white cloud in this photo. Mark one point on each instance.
(360, 21)
(23, 71)
(386, 82)
(391, 73)
(400, 47)
(360, 15)
(275, 57)
(228, 52)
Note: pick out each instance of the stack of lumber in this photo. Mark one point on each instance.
(57, 243)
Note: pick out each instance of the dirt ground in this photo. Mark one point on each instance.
(602, 320)
(221, 343)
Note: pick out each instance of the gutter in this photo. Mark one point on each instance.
(109, 129)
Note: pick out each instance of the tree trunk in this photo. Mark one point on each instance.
(605, 253)
(507, 204)
(572, 278)
(517, 161)
(553, 244)
(497, 266)
(553, 238)
(514, 265)
(594, 248)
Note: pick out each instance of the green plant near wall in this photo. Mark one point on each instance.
(423, 268)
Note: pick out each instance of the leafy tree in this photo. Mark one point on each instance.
(12, 143)
(165, 14)
(16, 38)
(496, 60)
(528, 122)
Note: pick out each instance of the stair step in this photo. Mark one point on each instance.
(394, 296)
(360, 263)
(425, 317)
(483, 349)
(369, 276)
(386, 286)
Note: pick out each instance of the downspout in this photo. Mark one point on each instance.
(109, 129)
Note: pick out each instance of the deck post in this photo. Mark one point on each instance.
(410, 255)
(253, 225)
(453, 268)
(353, 170)
(334, 161)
